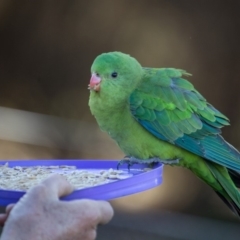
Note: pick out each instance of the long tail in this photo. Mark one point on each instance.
(235, 176)
(229, 180)
(231, 204)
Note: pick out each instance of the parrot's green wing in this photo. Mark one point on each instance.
(171, 109)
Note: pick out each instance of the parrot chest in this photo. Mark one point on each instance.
(131, 137)
(113, 119)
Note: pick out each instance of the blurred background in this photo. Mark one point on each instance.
(46, 51)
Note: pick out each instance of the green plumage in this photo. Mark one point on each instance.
(154, 112)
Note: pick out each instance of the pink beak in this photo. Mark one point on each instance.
(95, 83)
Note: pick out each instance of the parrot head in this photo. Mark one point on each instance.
(115, 71)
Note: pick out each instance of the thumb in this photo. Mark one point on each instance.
(52, 188)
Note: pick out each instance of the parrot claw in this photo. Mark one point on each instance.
(132, 160)
(125, 160)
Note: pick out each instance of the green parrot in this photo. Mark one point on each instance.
(156, 115)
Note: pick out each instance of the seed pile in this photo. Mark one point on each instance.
(23, 178)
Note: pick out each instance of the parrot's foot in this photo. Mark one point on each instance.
(151, 161)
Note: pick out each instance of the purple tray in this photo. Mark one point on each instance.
(140, 181)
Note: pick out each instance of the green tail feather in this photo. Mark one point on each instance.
(232, 195)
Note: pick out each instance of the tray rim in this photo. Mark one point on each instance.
(146, 180)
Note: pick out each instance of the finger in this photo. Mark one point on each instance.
(9, 208)
(3, 218)
(91, 234)
(105, 211)
(94, 212)
(58, 185)
(53, 187)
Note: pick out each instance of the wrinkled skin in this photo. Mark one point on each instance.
(41, 215)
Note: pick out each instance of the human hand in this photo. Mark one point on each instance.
(41, 215)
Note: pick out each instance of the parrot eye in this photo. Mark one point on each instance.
(114, 74)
